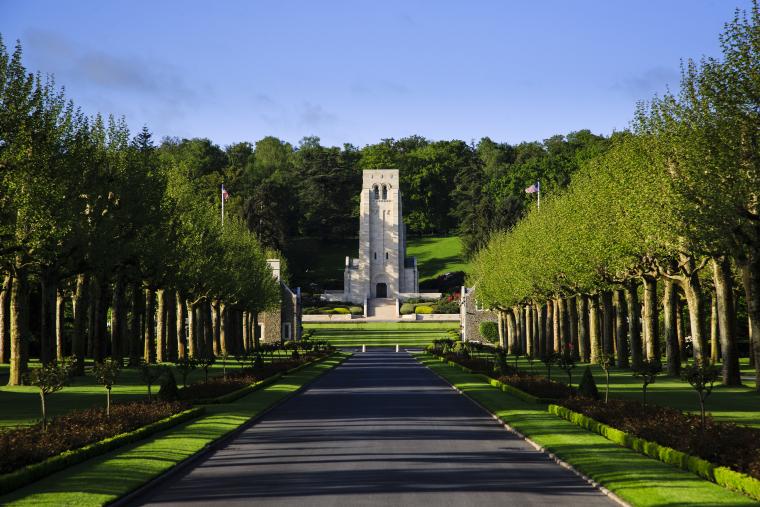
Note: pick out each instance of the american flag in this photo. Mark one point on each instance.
(532, 189)
(225, 194)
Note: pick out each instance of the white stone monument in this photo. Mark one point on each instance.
(382, 270)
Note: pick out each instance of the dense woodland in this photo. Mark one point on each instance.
(666, 220)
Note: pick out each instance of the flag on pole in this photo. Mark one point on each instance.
(532, 189)
(225, 194)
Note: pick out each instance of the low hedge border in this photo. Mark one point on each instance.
(519, 393)
(722, 476)
(234, 395)
(30, 473)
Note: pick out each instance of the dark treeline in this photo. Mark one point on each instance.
(106, 241)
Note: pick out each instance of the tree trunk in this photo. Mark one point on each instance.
(680, 327)
(182, 338)
(208, 330)
(594, 331)
(519, 329)
(549, 334)
(634, 323)
(747, 297)
(564, 324)
(713, 328)
(651, 318)
(572, 313)
(79, 306)
(118, 318)
(541, 318)
(726, 313)
(672, 348)
(5, 319)
(584, 343)
(18, 326)
(192, 329)
(149, 350)
(223, 321)
(171, 326)
(692, 289)
(528, 314)
(161, 326)
(621, 328)
(60, 322)
(607, 320)
(256, 333)
(753, 309)
(499, 324)
(216, 310)
(47, 318)
(136, 345)
(511, 332)
(99, 308)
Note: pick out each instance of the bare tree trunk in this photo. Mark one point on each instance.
(182, 338)
(136, 344)
(19, 328)
(171, 326)
(713, 328)
(528, 313)
(5, 319)
(541, 320)
(79, 304)
(692, 289)
(672, 348)
(60, 322)
(518, 330)
(549, 334)
(100, 311)
(192, 330)
(594, 331)
(572, 313)
(223, 321)
(499, 324)
(149, 351)
(161, 326)
(726, 314)
(47, 318)
(217, 326)
(564, 325)
(118, 318)
(607, 320)
(511, 332)
(621, 328)
(651, 318)
(208, 331)
(584, 344)
(747, 297)
(681, 327)
(634, 323)
(256, 333)
(753, 309)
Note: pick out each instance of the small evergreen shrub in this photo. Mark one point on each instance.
(489, 330)
(423, 310)
(407, 308)
(356, 310)
(587, 387)
(168, 390)
(341, 310)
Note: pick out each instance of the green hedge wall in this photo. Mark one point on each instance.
(723, 476)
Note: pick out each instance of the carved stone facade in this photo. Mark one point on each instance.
(283, 323)
(382, 269)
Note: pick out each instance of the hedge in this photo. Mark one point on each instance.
(407, 308)
(356, 310)
(36, 471)
(423, 309)
(723, 476)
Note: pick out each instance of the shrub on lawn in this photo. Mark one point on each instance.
(423, 309)
(48, 378)
(444, 306)
(587, 387)
(24, 446)
(356, 310)
(106, 373)
(407, 308)
(341, 311)
(489, 330)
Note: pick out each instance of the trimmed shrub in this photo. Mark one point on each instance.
(168, 390)
(587, 387)
(489, 330)
(423, 310)
(356, 310)
(407, 308)
(342, 311)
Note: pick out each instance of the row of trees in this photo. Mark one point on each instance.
(102, 227)
(669, 210)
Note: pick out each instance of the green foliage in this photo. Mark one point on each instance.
(168, 390)
(648, 372)
(48, 378)
(407, 308)
(423, 309)
(701, 375)
(587, 385)
(566, 362)
(150, 374)
(489, 330)
(187, 364)
(356, 310)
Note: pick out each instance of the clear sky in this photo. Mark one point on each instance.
(359, 71)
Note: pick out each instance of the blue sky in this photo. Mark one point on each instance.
(361, 71)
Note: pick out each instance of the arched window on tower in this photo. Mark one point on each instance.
(376, 191)
(385, 192)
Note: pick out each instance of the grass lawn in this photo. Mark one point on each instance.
(640, 480)
(21, 404)
(738, 404)
(380, 334)
(312, 261)
(436, 256)
(108, 477)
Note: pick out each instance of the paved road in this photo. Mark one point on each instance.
(378, 430)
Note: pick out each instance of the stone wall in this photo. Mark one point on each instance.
(472, 317)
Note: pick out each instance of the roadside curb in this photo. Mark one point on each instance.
(182, 466)
(612, 496)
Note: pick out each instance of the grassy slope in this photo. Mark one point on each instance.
(310, 260)
(110, 476)
(21, 404)
(406, 334)
(737, 404)
(640, 480)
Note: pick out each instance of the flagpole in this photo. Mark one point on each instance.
(538, 187)
(222, 204)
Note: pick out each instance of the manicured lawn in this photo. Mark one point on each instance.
(380, 334)
(21, 404)
(640, 480)
(322, 263)
(108, 477)
(737, 404)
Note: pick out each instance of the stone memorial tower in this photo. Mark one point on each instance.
(382, 269)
